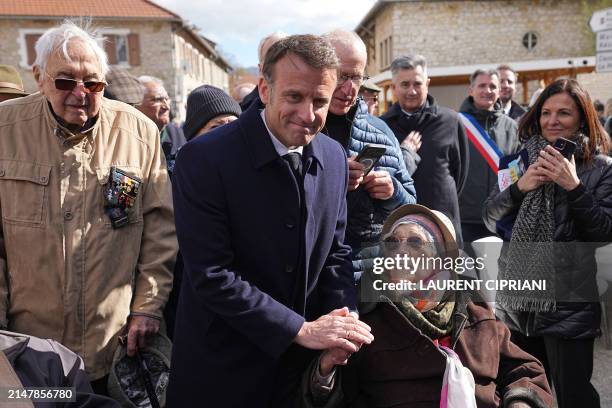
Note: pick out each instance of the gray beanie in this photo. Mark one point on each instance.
(204, 103)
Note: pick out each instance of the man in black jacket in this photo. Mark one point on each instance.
(483, 106)
(437, 157)
(508, 78)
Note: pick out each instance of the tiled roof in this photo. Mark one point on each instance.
(86, 8)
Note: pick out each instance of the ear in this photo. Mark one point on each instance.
(470, 91)
(427, 82)
(38, 76)
(264, 90)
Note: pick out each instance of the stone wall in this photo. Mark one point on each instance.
(451, 33)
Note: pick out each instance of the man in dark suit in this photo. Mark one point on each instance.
(260, 213)
(432, 139)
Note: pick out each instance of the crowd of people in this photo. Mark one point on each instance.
(227, 261)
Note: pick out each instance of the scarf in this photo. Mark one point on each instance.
(530, 253)
(434, 323)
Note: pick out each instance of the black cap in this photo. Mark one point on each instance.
(205, 103)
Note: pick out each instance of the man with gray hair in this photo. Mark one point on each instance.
(156, 106)
(432, 138)
(492, 135)
(264, 45)
(87, 238)
(373, 196)
(269, 282)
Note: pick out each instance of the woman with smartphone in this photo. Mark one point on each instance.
(560, 206)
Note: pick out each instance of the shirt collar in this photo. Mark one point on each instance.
(280, 148)
(508, 107)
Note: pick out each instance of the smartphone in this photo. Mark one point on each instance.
(369, 156)
(566, 147)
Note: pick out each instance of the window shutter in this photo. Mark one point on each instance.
(111, 50)
(133, 49)
(30, 40)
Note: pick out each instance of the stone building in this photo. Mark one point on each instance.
(140, 36)
(541, 39)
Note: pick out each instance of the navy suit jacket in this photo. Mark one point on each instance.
(253, 271)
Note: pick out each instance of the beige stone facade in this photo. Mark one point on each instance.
(545, 39)
(451, 33)
(166, 49)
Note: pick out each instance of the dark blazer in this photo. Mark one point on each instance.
(516, 111)
(256, 266)
(442, 170)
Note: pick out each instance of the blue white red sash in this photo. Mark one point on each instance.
(482, 141)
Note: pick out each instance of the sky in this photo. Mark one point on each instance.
(238, 25)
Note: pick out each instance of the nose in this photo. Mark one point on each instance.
(79, 90)
(306, 113)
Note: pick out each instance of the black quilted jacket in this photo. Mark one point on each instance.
(583, 222)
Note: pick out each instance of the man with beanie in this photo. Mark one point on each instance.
(11, 85)
(208, 107)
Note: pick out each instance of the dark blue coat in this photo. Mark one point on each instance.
(253, 271)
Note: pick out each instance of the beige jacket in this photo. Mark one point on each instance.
(65, 273)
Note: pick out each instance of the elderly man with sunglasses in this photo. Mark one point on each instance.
(87, 239)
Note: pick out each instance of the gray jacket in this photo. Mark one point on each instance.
(481, 179)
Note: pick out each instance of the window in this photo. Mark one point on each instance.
(386, 52)
(122, 48)
(27, 40)
(530, 40)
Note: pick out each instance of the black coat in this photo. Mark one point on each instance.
(256, 263)
(442, 169)
(251, 98)
(481, 179)
(516, 111)
(582, 215)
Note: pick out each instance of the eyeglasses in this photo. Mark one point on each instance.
(393, 243)
(357, 80)
(159, 100)
(68, 84)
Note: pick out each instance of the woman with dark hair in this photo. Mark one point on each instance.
(556, 209)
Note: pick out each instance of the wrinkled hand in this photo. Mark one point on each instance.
(337, 329)
(331, 358)
(413, 141)
(558, 169)
(355, 173)
(533, 178)
(138, 329)
(379, 185)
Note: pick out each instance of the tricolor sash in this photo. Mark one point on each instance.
(482, 141)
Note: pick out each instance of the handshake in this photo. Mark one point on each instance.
(339, 333)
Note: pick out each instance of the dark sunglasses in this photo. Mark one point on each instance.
(67, 84)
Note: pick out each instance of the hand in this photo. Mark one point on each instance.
(412, 141)
(337, 329)
(533, 178)
(331, 358)
(558, 168)
(139, 328)
(355, 173)
(519, 404)
(379, 185)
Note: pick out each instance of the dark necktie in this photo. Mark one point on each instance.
(295, 162)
